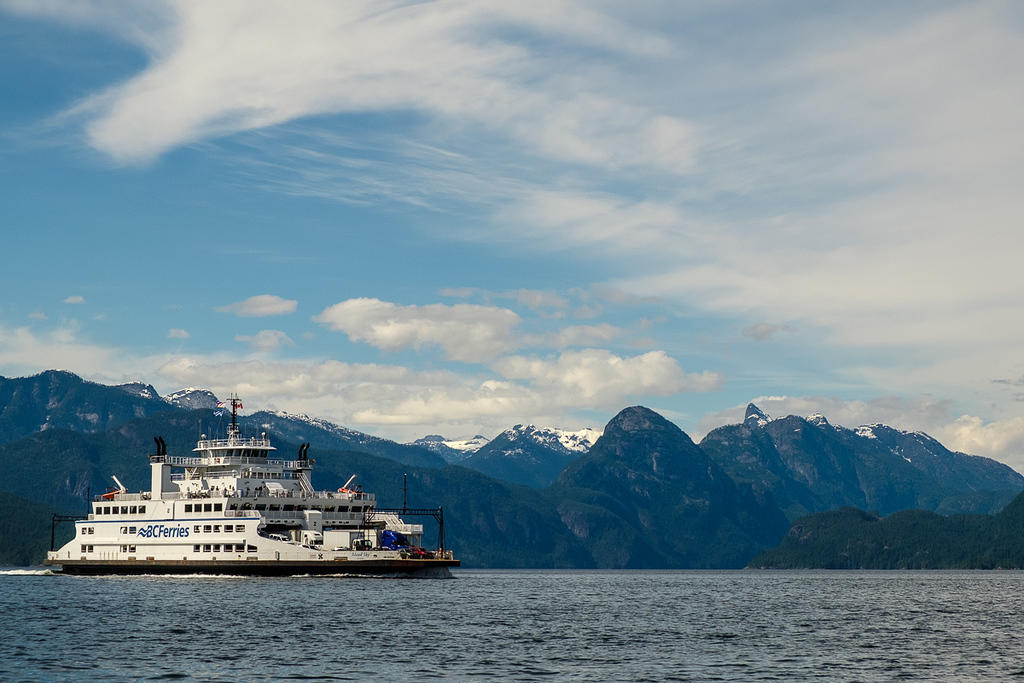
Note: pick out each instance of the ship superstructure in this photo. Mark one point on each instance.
(234, 507)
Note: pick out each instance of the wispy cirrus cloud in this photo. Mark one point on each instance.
(433, 58)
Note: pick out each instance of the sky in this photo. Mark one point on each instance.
(419, 218)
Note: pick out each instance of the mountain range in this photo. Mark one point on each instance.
(642, 495)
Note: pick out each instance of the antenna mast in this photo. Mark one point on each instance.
(236, 405)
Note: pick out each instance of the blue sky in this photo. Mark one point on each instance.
(451, 217)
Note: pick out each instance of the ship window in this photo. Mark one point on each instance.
(207, 507)
(124, 549)
(124, 509)
(84, 548)
(207, 528)
(261, 506)
(188, 507)
(289, 508)
(134, 510)
(197, 528)
(106, 510)
(92, 530)
(218, 507)
(216, 547)
(274, 507)
(216, 528)
(206, 548)
(196, 548)
(252, 549)
(239, 547)
(132, 530)
(142, 509)
(131, 549)
(343, 508)
(124, 530)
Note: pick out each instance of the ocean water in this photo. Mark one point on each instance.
(517, 625)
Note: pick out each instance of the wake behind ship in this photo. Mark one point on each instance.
(231, 508)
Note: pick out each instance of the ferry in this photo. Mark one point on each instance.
(232, 507)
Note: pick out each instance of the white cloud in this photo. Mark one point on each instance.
(1001, 439)
(25, 351)
(260, 305)
(266, 340)
(177, 333)
(597, 377)
(75, 299)
(37, 315)
(465, 332)
(406, 404)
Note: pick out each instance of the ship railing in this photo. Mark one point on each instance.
(284, 476)
(234, 442)
(242, 513)
(207, 460)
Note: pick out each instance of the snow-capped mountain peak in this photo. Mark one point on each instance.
(578, 441)
(192, 398)
(755, 417)
(452, 450)
(818, 420)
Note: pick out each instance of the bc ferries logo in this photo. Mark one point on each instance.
(161, 531)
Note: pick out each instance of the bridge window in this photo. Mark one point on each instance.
(207, 507)
(218, 507)
(142, 509)
(134, 510)
(188, 507)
